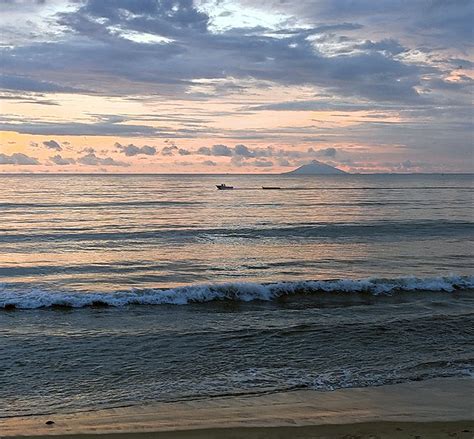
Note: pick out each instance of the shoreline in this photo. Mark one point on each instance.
(370, 430)
(426, 407)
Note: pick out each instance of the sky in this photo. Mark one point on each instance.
(235, 86)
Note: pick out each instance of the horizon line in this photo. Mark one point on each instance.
(289, 174)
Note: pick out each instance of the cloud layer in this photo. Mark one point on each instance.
(241, 84)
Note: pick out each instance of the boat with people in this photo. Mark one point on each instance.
(224, 187)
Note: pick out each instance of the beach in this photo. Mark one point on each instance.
(431, 409)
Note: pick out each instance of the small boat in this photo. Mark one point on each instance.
(269, 188)
(224, 187)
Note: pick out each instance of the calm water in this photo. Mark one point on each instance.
(330, 282)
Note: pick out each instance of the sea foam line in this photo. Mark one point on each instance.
(13, 298)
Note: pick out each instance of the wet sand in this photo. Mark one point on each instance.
(441, 408)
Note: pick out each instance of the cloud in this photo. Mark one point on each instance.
(437, 22)
(209, 163)
(23, 83)
(372, 69)
(52, 144)
(132, 150)
(87, 150)
(224, 151)
(407, 60)
(28, 98)
(259, 163)
(241, 153)
(325, 152)
(92, 160)
(216, 150)
(17, 159)
(388, 45)
(283, 162)
(14, 4)
(170, 17)
(221, 150)
(204, 150)
(169, 150)
(321, 105)
(103, 127)
(192, 51)
(58, 160)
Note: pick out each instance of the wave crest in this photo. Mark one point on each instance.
(238, 291)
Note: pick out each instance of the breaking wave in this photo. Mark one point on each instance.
(16, 298)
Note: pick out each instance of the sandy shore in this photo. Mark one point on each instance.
(440, 408)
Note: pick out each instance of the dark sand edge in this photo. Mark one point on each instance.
(427, 406)
(366, 430)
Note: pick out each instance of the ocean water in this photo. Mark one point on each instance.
(118, 290)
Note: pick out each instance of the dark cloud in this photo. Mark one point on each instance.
(216, 150)
(58, 160)
(17, 159)
(169, 150)
(132, 150)
(243, 151)
(80, 129)
(440, 22)
(92, 160)
(23, 83)
(321, 105)
(204, 150)
(239, 54)
(195, 52)
(170, 17)
(105, 126)
(52, 144)
(225, 151)
(242, 155)
(221, 150)
(35, 99)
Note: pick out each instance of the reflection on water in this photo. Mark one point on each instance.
(112, 232)
(82, 237)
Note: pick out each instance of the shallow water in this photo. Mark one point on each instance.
(72, 241)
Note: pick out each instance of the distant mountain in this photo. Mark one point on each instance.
(316, 168)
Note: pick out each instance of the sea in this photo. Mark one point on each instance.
(121, 290)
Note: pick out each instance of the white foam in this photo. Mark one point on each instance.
(244, 292)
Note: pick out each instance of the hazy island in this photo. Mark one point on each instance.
(316, 168)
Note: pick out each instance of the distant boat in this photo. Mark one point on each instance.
(269, 188)
(224, 187)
